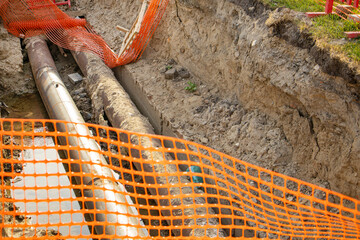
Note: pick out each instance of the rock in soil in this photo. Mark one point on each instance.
(171, 73)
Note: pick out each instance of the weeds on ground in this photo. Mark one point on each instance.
(191, 87)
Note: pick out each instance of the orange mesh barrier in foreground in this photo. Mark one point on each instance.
(171, 188)
(26, 18)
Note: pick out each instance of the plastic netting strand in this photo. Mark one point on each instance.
(341, 9)
(168, 189)
(27, 18)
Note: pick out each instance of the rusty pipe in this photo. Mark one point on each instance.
(122, 113)
(60, 105)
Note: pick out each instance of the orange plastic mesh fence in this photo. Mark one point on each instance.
(165, 188)
(26, 18)
(342, 9)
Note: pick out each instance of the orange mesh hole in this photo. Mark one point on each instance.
(27, 18)
(159, 188)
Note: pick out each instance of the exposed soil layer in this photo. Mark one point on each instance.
(15, 74)
(28, 106)
(267, 92)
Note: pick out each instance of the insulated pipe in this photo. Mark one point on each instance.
(122, 113)
(60, 105)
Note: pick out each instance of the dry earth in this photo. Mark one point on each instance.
(15, 75)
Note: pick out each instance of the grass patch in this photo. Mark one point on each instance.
(332, 27)
(329, 27)
(297, 5)
(352, 50)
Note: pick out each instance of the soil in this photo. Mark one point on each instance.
(15, 73)
(267, 93)
(28, 106)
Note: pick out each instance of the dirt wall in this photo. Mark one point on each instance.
(295, 105)
(15, 77)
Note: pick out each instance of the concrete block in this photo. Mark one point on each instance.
(75, 78)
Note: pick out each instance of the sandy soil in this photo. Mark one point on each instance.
(15, 73)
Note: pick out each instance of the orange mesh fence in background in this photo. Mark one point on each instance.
(174, 189)
(344, 10)
(26, 18)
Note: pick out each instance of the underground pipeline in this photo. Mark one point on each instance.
(60, 106)
(104, 88)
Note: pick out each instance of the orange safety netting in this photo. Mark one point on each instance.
(169, 188)
(26, 18)
(341, 9)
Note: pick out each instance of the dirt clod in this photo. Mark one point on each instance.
(171, 73)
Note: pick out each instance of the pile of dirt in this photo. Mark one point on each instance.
(262, 96)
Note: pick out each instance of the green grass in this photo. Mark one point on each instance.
(328, 28)
(297, 5)
(332, 27)
(191, 87)
(352, 50)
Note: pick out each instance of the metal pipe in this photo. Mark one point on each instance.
(60, 105)
(122, 113)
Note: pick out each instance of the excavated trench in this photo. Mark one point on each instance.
(265, 91)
